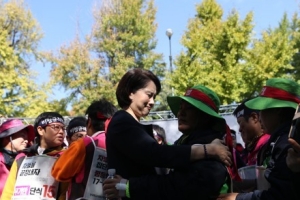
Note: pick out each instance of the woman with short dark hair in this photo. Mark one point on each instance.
(133, 81)
(131, 147)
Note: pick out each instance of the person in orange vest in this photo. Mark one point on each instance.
(84, 164)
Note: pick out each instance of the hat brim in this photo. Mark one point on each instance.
(262, 103)
(174, 103)
(11, 131)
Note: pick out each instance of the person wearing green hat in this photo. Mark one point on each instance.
(200, 123)
(277, 103)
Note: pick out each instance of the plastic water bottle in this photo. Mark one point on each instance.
(111, 174)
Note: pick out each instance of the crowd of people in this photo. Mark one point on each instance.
(51, 160)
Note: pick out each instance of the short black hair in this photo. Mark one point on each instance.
(41, 117)
(247, 111)
(100, 107)
(132, 81)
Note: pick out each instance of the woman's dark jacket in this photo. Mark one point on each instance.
(197, 180)
(133, 151)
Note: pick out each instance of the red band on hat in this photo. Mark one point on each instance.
(277, 93)
(201, 96)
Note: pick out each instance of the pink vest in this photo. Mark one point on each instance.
(252, 156)
(78, 183)
(3, 173)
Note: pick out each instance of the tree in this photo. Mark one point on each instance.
(19, 38)
(295, 37)
(215, 50)
(124, 34)
(123, 37)
(269, 57)
(223, 55)
(75, 69)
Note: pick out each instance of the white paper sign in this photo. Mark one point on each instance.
(97, 175)
(34, 180)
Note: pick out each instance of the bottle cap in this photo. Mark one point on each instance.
(111, 172)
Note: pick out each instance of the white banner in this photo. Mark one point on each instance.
(34, 180)
(98, 174)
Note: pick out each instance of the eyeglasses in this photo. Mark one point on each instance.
(57, 127)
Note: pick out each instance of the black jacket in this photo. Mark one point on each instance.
(202, 180)
(277, 172)
(133, 151)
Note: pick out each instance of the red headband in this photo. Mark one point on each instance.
(201, 96)
(277, 93)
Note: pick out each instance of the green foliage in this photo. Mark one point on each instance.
(223, 55)
(19, 37)
(295, 37)
(80, 74)
(23, 30)
(269, 57)
(123, 35)
(122, 38)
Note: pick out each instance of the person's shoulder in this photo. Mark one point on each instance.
(122, 117)
(100, 136)
(263, 140)
(56, 152)
(86, 140)
(280, 147)
(120, 114)
(20, 155)
(282, 141)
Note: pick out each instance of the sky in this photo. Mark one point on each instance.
(61, 20)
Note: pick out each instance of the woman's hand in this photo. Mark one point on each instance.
(217, 149)
(293, 157)
(109, 187)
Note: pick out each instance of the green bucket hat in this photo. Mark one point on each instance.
(277, 93)
(202, 98)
